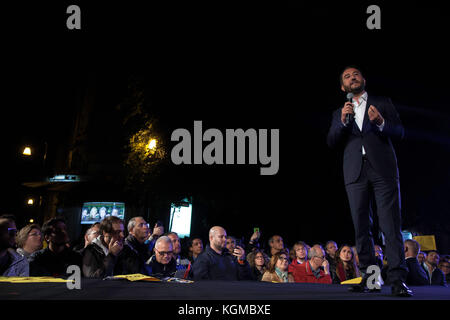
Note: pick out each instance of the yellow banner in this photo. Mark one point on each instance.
(137, 277)
(32, 279)
(352, 281)
(426, 242)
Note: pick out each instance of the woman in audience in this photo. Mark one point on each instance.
(278, 268)
(29, 240)
(346, 267)
(259, 262)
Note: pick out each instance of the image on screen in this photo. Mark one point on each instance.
(93, 212)
(180, 220)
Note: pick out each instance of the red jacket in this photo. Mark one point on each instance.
(293, 268)
(302, 273)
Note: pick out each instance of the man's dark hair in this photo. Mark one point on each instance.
(48, 225)
(348, 67)
(191, 241)
(271, 238)
(106, 224)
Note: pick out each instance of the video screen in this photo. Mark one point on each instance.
(93, 212)
(180, 220)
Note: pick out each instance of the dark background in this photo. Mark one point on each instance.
(231, 67)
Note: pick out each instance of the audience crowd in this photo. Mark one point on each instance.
(110, 248)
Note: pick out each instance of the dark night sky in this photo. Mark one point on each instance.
(248, 68)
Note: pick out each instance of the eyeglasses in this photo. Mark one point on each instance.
(259, 257)
(35, 234)
(164, 253)
(285, 259)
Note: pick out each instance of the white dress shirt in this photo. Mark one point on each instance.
(359, 107)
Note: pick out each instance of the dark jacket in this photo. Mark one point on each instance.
(210, 265)
(98, 264)
(417, 276)
(377, 144)
(134, 256)
(437, 277)
(256, 274)
(159, 270)
(47, 263)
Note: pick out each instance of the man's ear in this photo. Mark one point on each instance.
(342, 88)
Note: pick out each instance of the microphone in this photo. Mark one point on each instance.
(349, 117)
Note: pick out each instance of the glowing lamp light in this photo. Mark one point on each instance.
(27, 151)
(31, 220)
(30, 201)
(151, 144)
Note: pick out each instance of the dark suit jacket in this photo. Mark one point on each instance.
(437, 277)
(378, 145)
(417, 276)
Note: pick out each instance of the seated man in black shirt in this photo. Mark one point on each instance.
(57, 257)
(217, 263)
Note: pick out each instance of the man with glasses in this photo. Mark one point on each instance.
(100, 258)
(12, 264)
(162, 264)
(54, 260)
(217, 263)
(316, 269)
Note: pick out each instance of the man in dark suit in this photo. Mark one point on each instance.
(370, 172)
(416, 274)
(435, 276)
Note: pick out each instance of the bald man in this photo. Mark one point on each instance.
(217, 263)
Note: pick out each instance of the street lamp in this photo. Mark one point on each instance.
(26, 151)
(151, 145)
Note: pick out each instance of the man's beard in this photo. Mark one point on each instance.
(355, 90)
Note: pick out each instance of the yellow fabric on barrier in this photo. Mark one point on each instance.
(32, 279)
(426, 242)
(137, 277)
(352, 281)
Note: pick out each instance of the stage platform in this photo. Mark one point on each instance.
(92, 289)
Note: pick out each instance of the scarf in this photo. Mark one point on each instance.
(283, 275)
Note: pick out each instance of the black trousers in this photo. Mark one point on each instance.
(386, 193)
